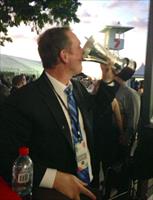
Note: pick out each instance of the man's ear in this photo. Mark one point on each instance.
(64, 56)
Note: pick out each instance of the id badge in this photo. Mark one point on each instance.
(81, 155)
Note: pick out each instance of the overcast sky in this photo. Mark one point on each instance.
(94, 16)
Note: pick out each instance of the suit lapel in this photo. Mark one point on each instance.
(50, 99)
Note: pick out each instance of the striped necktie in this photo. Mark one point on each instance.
(83, 173)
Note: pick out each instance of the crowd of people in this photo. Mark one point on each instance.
(69, 133)
(10, 84)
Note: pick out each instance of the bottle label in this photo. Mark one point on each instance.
(23, 178)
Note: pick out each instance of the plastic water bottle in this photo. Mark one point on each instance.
(22, 174)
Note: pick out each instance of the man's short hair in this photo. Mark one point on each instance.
(50, 43)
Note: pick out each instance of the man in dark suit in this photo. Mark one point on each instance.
(37, 116)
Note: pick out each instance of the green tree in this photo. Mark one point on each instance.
(35, 13)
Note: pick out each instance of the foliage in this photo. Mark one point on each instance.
(35, 13)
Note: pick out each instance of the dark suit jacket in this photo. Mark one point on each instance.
(34, 117)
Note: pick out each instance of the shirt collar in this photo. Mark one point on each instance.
(58, 86)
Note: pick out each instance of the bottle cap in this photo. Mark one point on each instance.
(23, 151)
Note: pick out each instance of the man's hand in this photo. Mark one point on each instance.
(71, 186)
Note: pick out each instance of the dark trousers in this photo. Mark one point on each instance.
(52, 194)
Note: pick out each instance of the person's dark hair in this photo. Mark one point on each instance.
(17, 80)
(50, 43)
(141, 84)
(126, 73)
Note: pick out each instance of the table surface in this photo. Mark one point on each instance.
(52, 194)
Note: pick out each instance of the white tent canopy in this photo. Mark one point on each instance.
(19, 65)
(139, 73)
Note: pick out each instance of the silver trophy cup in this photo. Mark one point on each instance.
(94, 51)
